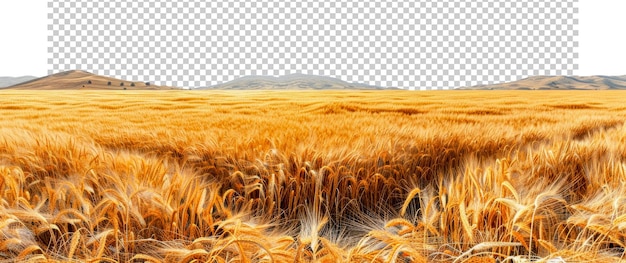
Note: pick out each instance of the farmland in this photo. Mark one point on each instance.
(313, 176)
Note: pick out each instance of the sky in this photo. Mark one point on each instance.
(23, 46)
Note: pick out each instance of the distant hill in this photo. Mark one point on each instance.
(559, 83)
(290, 82)
(10, 81)
(82, 80)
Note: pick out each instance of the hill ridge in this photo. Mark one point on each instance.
(290, 81)
(10, 81)
(83, 80)
(558, 82)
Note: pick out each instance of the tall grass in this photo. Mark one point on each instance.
(312, 176)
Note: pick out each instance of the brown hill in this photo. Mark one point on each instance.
(560, 83)
(78, 79)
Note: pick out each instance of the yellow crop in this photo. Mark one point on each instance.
(313, 176)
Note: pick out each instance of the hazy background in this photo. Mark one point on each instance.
(23, 47)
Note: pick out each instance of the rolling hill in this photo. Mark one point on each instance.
(291, 82)
(83, 80)
(10, 81)
(559, 83)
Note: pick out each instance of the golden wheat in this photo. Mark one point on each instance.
(304, 176)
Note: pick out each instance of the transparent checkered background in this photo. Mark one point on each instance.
(414, 44)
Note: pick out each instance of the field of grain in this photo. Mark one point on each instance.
(313, 176)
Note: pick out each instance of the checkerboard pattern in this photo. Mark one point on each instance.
(414, 44)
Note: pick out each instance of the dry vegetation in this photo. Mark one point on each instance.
(310, 176)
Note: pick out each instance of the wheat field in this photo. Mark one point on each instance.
(313, 176)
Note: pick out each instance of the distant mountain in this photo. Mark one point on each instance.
(292, 81)
(83, 80)
(10, 81)
(559, 83)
